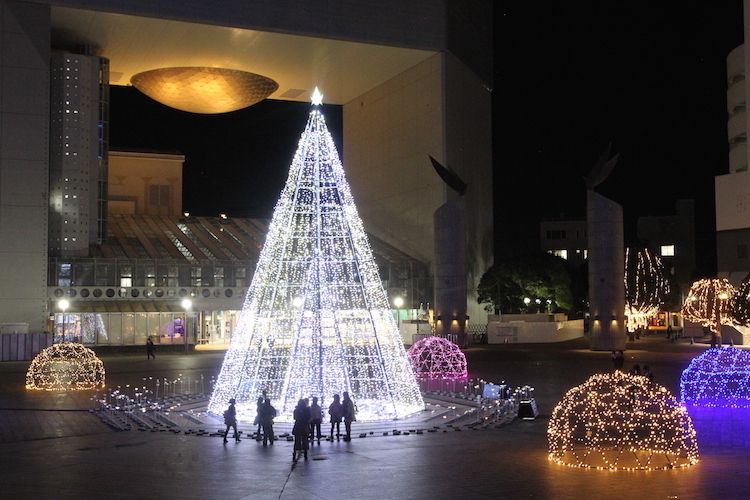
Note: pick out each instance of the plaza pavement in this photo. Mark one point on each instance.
(52, 447)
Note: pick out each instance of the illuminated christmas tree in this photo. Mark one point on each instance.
(316, 320)
(646, 286)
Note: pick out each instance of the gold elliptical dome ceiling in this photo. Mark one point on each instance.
(204, 90)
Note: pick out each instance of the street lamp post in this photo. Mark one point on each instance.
(398, 301)
(63, 304)
(186, 305)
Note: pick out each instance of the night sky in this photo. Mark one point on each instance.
(650, 79)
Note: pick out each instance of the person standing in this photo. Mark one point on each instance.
(618, 359)
(349, 415)
(266, 416)
(230, 420)
(648, 373)
(336, 411)
(316, 419)
(150, 348)
(261, 400)
(301, 429)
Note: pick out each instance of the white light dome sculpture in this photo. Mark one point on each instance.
(64, 367)
(621, 421)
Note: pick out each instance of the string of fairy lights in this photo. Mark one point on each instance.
(646, 286)
(316, 320)
(437, 358)
(66, 366)
(624, 422)
(718, 377)
(708, 303)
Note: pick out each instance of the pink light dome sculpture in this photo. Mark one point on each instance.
(435, 358)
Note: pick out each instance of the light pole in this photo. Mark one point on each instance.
(398, 302)
(63, 304)
(186, 305)
(527, 301)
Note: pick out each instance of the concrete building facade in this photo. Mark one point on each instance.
(732, 198)
(414, 80)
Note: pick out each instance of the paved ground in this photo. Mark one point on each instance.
(51, 447)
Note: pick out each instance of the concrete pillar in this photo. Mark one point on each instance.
(606, 273)
(451, 269)
(24, 167)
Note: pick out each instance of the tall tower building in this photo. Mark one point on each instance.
(79, 124)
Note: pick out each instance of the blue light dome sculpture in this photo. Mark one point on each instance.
(719, 377)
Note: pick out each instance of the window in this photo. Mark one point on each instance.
(556, 234)
(667, 250)
(158, 195)
(560, 253)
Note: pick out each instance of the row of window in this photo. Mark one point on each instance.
(148, 293)
(665, 251)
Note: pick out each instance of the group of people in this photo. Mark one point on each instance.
(264, 420)
(308, 419)
(618, 361)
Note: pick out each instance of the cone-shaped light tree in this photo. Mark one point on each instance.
(316, 320)
(646, 286)
(707, 303)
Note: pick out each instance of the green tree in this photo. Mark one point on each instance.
(538, 277)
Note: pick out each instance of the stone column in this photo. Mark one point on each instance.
(451, 269)
(606, 258)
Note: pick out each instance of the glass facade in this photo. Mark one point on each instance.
(135, 328)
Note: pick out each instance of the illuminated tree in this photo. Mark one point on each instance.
(646, 286)
(707, 303)
(739, 305)
(316, 320)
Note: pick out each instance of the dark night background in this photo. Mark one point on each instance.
(569, 79)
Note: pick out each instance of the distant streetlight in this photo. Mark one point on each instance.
(527, 301)
(63, 304)
(398, 302)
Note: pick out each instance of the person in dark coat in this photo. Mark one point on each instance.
(266, 416)
(349, 415)
(230, 420)
(316, 419)
(336, 411)
(261, 400)
(618, 359)
(150, 348)
(301, 429)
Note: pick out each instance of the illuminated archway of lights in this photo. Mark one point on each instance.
(718, 377)
(437, 358)
(316, 320)
(645, 286)
(621, 421)
(64, 367)
(708, 303)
